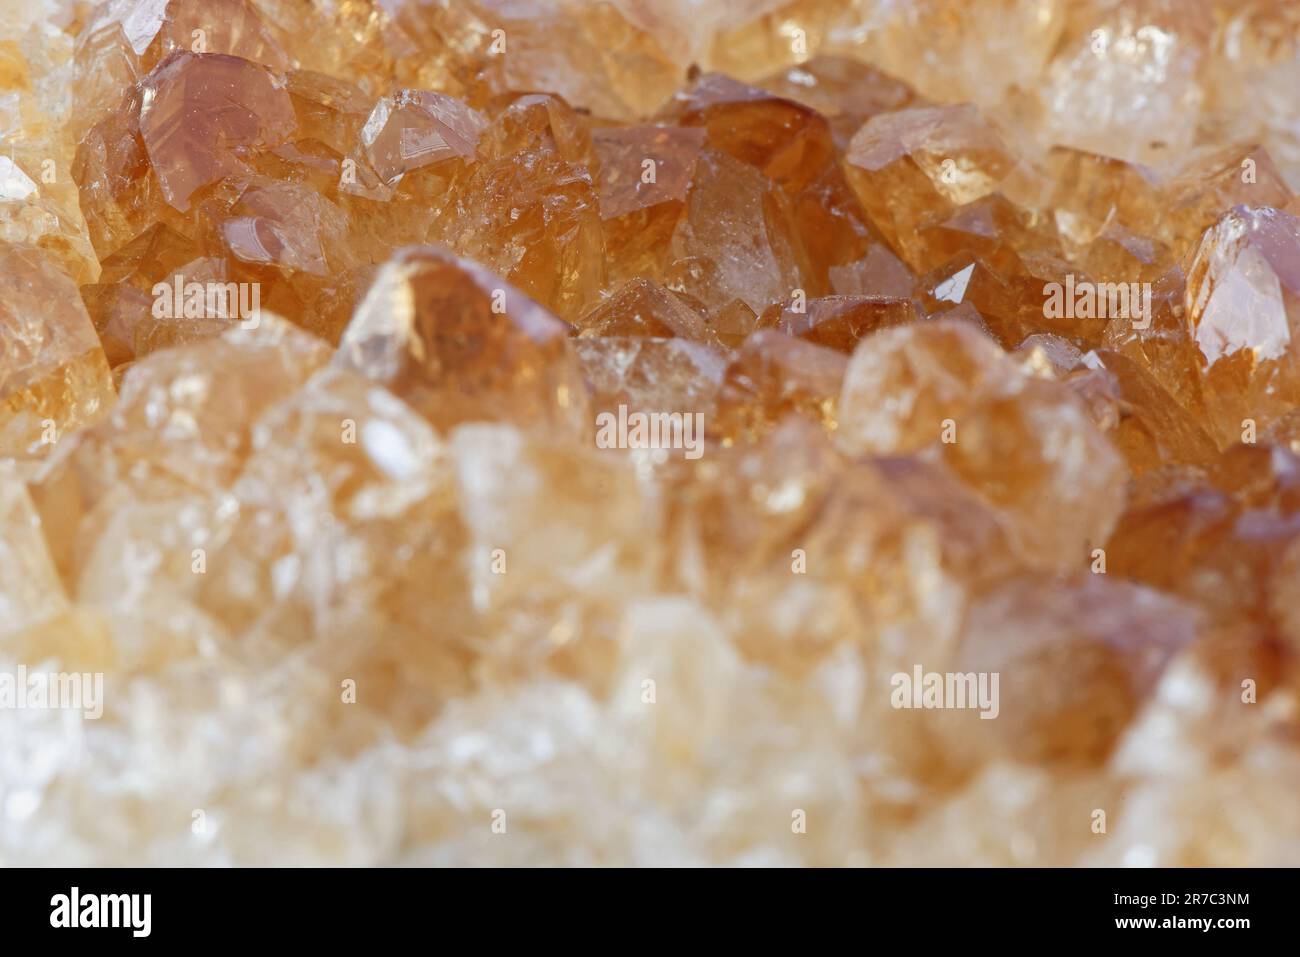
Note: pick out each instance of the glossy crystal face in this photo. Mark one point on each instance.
(650, 432)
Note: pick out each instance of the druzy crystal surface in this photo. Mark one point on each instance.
(486, 432)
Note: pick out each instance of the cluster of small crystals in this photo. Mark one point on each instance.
(365, 590)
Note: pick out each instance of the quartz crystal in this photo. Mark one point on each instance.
(54, 378)
(559, 432)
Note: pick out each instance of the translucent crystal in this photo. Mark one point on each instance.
(902, 384)
(54, 377)
(920, 164)
(191, 143)
(643, 308)
(458, 344)
(1117, 638)
(1157, 45)
(1242, 289)
(31, 590)
(372, 581)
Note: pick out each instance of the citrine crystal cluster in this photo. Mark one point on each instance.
(331, 329)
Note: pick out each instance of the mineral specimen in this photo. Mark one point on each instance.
(316, 320)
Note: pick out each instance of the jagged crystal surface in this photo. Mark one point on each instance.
(366, 583)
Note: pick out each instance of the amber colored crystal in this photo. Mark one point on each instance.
(1076, 664)
(644, 176)
(481, 48)
(534, 218)
(30, 589)
(647, 374)
(198, 113)
(1242, 289)
(457, 343)
(879, 273)
(788, 141)
(847, 92)
(921, 165)
(902, 384)
(54, 377)
(1037, 456)
(642, 307)
(838, 322)
(774, 375)
(1152, 429)
(414, 128)
(408, 566)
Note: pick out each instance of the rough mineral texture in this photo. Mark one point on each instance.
(523, 433)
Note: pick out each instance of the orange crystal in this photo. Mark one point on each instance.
(637, 393)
